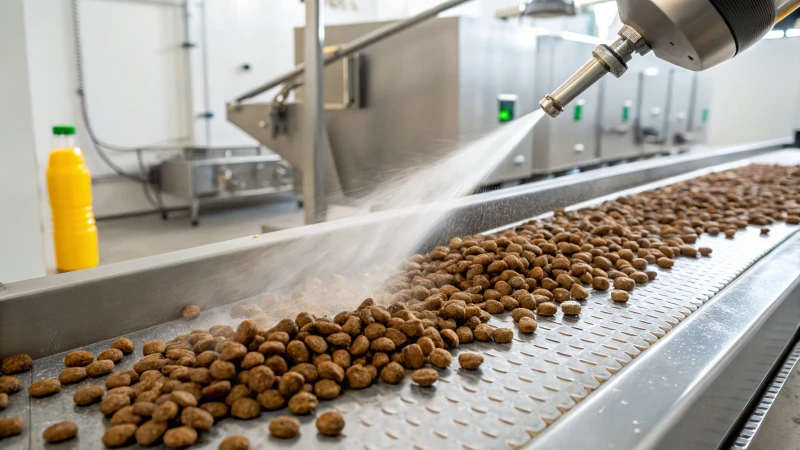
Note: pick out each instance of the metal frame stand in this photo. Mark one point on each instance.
(313, 170)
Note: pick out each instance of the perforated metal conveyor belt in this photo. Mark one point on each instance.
(520, 389)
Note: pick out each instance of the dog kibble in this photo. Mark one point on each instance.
(527, 325)
(10, 385)
(149, 432)
(284, 427)
(245, 408)
(43, 388)
(119, 435)
(425, 377)
(111, 354)
(3, 401)
(302, 403)
(88, 395)
(124, 345)
(72, 375)
(78, 358)
(180, 437)
(442, 358)
(503, 335)
(100, 368)
(619, 296)
(11, 426)
(547, 309)
(235, 442)
(705, 251)
(330, 423)
(571, 308)
(624, 283)
(59, 432)
(190, 312)
(16, 364)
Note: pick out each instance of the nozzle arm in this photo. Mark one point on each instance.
(605, 58)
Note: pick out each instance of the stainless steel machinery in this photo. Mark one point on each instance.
(678, 366)
(694, 35)
(221, 173)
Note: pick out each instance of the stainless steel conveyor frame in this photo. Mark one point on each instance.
(688, 391)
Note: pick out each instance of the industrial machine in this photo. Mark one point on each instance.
(694, 35)
(201, 173)
(678, 366)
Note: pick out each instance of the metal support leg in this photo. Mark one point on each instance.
(314, 163)
(194, 211)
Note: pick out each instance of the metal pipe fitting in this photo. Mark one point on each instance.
(605, 58)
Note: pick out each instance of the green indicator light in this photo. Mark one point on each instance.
(626, 113)
(705, 115)
(578, 114)
(504, 115)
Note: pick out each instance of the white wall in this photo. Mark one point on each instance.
(21, 248)
(756, 95)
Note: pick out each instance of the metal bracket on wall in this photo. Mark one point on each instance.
(188, 44)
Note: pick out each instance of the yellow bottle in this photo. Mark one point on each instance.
(70, 187)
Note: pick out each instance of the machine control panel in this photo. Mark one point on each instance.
(506, 104)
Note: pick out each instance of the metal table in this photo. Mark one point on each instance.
(675, 367)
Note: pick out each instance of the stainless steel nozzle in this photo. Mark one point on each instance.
(605, 58)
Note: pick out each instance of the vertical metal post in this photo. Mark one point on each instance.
(314, 162)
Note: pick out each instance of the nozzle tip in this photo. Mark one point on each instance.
(550, 106)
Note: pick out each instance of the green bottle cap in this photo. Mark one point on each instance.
(68, 130)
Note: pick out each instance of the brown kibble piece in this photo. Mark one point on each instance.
(601, 283)
(113, 403)
(519, 313)
(483, 332)
(197, 418)
(245, 408)
(358, 377)
(619, 296)
(154, 347)
(111, 354)
(183, 398)
(119, 435)
(43, 388)
(78, 358)
(624, 283)
(425, 377)
(88, 395)
(149, 432)
(705, 251)
(331, 371)
(325, 389)
(284, 427)
(100, 368)
(302, 403)
(218, 410)
(667, 263)
(527, 325)
(547, 309)
(3, 401)
(330, 423)
(503, 335)
(59, 432)
(72, 375)
(10, 385)
(190, 312)
(470, 361)
(125, 415)
(11, 426)
(144, 409)
(235, 442)
(180, 437)
(571, 308)
(16, 364)
(393, 373)
(441, 358)
(118, 379)
(124, 345)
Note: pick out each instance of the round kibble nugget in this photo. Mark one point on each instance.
(112, 354)
(154, 347)
(519, 313)
(571, 308)
(527, 325)
(117, 380)
(16, 364)
(425, 377)
(302, 403)
(413, 356)
(10, 385)
(470, 361)
(125, 415)
(329, 370)
(72, 375)
(123, 344)
(503, 335)
(218, 410)
(601, 283)
(11, 426)
(483, 332)
(113, 403)
(235, 442)
(441, 358)
(197, 418)
(324, 389)
(88, 395)
(190, 312)
(330, 423)
(284, 427)
(100, 368)
(547, 309)
(245, 408)
(619, 296)
(705, 251)
(144, 409)
(119, 435)
(180, 437)
(667, 263)
(78, 358)
(149, 432)
(624, 283)
(393, 373)
(60, 431)
(43, 388)
(3, 401)
(358, 377)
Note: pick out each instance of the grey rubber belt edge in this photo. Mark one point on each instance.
(751, 427)
(748, 20)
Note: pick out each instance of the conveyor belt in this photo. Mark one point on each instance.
(519, 391)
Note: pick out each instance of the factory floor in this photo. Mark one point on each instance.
(132, 237)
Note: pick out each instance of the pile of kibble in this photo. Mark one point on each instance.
(440, 300)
